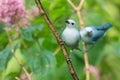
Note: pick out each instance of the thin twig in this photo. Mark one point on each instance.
(77, 9)
(72, 5)
(86, 62)
(17, 78)
(81, 4)
(56, 51)
(13, 54)
(59, 40)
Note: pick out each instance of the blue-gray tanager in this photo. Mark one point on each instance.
(90, 35)
(70, 35)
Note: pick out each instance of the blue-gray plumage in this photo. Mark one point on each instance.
(90, 35)
(71, 35)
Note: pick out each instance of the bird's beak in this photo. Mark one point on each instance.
(67, 22)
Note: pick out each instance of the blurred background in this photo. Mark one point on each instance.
(24, 29)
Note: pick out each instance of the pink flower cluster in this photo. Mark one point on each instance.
(11, 11)
(95, 72)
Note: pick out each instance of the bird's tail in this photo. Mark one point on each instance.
(107, 26)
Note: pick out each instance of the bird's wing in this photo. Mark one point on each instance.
(98, 33)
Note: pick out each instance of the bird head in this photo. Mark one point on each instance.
(70, 23)
(89, 31)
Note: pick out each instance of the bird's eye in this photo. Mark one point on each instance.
(72, 23)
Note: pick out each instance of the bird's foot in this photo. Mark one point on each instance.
(62, 42)
(68, 59)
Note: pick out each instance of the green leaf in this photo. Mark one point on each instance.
(39, 27)
(27, 34)
(13, 68)
(2, 26)
(5, 56)
(10, 77)
(110, 66)
(3, 40)
(42, 62)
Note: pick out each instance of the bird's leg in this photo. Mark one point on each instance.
(62, 42)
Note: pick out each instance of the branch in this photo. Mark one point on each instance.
(59, 40)
(81, 4)
(56, 51)
(72, 5)
(77, 9)
(13, 54)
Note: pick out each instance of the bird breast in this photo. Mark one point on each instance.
(71, 36)
(84, 37)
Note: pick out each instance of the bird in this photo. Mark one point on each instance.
(70, 35)
(92, 34)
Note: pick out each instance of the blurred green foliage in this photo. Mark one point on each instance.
(37, 45)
